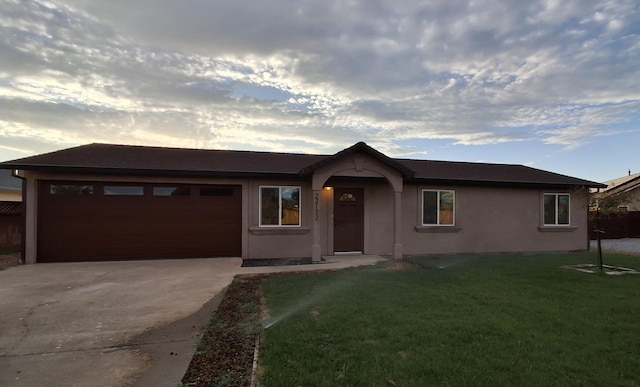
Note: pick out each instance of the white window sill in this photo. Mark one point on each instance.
(557, 229)
(438, 229)
(279, 230)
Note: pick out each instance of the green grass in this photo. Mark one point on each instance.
(492, 320)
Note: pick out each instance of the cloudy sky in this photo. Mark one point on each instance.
(553, 84)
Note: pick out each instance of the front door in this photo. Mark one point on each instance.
(348, 219)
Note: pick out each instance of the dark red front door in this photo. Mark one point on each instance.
(348, 219)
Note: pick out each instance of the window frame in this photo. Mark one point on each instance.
(557, 196)
(438, 220)
(280, 190)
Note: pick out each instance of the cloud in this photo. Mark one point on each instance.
(316, 76)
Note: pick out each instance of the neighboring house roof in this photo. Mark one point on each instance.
(125, 159)
(626, 189)
(622, 184)
(9, 182)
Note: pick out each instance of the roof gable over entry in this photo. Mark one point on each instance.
(360, 147)
(359, 161)
(140, 160)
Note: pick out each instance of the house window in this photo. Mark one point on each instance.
(438, 207)
(556, 209)
(280, 206)
(347, 197)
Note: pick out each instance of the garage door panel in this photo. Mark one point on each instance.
(111, 246)
(135, 231)
(104, 227)
(134, 251)
(119, 214)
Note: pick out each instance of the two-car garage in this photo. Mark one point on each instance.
(100, 221)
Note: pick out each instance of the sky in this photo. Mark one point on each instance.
(552, 84)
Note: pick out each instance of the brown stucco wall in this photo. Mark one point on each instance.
(10, 196)
(493, 220)
(379, 219)
(487, 219)
(634, 200)
(295, 242)
(279, 242)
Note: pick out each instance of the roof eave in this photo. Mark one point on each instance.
(502, 183)
(147, 172)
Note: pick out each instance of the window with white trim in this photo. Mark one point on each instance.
(438, 207)
(279, 206)
(556, 209)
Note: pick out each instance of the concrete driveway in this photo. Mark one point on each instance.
(113, 323)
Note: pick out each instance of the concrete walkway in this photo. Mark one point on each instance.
(114, 323)
(625, 245)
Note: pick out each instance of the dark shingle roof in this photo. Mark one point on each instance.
(8, 182)
(106, 158)
(483, 173)
(125, 158)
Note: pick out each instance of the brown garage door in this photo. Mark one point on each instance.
(97, 221)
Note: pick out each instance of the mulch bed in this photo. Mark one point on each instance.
(226, 351)
(225, 354)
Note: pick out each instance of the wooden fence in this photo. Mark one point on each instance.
(10, 224)
(616, 225)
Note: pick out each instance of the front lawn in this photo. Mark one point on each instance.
(505, 319)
